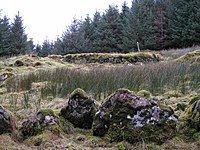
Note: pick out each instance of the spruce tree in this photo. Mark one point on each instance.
(47, 48)
(71, 38)
(111, 31)
(145, 24)
(140, 26)
(96, 27)
(183, 19)
(160, 24)
(86, 31)
(18, 37)
(5, 37)
(124, 18)
(59, 47)
(30, 46)
(194, 22)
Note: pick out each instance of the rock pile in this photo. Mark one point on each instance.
(125, 116)
(80, 110)
(6, 125)
(35, 125)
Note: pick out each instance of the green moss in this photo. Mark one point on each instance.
(56, 112)
(173, 93)
(149, 133)
(46, 112)
(37, 140)
(35, 127)
(181, 106)
(166, 108)
(191, 118)
(144, 93)
(80, 92)
(50, 98)
(65, 125)
(111, 58)
(194, 99)
(120, 146)
(55, 129)
(93, 139)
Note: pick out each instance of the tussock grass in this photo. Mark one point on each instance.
(192, 57)
(100, 82)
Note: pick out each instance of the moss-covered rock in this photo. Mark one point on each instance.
(80, 110)
(181, 106)
(6, 121)
(193, 115)
(144, 93)
(172, 93)
(44, 119)
(125, 116)
(194, 99)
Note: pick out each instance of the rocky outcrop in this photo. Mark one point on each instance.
(44, 119)
(80, 110)
(125, 116)
(6, 124)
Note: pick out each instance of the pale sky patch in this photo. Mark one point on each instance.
(47, 19)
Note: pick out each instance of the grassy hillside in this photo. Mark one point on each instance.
(29, 83)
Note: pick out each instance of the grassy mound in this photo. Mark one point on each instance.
(111, 58)
(190, 57)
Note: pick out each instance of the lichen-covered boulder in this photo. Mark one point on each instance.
(192, 115)
(44, 119)
(6, 123)
(80, 110)
(125, 116)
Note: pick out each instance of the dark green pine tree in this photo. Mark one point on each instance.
(5, 37)
(140, 26)
(111, 31)
(130, 27)
(86, 31)
(183, 19)
(194, 23)
(127, 36)
(72, 39)
(96, 27)
(47, 48)
(59, 48)
(30, 46)
(37, 49)
(144, 12)
(18, 37)
(160, 24)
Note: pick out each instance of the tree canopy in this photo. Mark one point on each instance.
(154, 24)
(13, 39)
